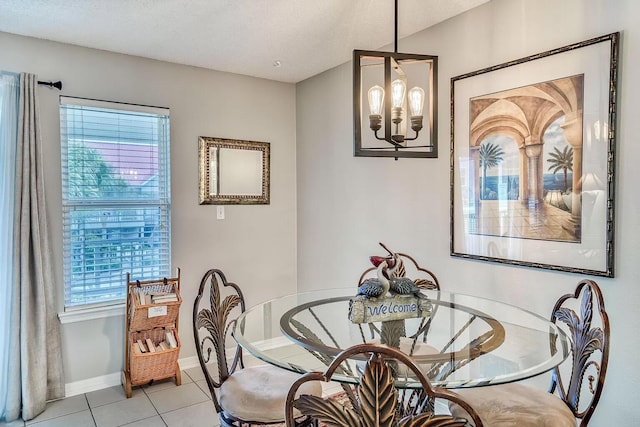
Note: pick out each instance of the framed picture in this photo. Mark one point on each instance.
(532, 160)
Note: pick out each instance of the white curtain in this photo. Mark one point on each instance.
(34, 354)
(9, 96)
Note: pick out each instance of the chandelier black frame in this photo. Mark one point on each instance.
(398, 128)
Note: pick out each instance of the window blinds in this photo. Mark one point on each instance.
(115, 197)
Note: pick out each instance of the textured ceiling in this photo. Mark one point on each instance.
(239, 36)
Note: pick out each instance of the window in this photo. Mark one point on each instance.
(115, 198)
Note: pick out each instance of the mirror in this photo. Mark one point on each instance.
(233, 172)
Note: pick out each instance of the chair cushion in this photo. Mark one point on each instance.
(258, 393)
(515, 405)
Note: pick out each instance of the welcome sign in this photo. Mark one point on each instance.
(397, 307)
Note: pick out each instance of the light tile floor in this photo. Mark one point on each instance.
(162, 404)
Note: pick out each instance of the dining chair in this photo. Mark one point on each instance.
(379, 402)
(242, 395)
(517, 404)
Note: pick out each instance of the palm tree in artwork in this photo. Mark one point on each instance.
(490, 157)
(561, 161)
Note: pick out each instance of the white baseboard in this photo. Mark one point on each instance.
(114, 379)
(92, 384)
(271, 343)
(188, 362)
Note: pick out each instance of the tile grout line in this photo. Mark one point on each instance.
(35, 424)
(147, 391)
(154, 406)
(86, 398)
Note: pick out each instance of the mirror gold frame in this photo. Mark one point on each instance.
(233, 172)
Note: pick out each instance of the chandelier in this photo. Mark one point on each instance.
(397, 125)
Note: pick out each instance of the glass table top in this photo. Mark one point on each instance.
(465, 341)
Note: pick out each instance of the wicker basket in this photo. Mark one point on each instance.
(144, 367)
(139, 315)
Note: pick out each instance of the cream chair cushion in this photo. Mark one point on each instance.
(258, 393)
(515, 405)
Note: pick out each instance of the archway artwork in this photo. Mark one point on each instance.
(533, 159)
(525, 161)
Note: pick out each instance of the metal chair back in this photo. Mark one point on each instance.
(211, 315)
(589, 349)
(378, 398)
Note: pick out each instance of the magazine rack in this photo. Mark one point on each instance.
(151, 314)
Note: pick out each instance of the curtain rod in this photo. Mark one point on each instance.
(57, 85)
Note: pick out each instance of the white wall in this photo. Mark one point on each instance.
(254, 245)
(346, 204)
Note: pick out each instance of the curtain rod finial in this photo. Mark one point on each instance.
(57, 85)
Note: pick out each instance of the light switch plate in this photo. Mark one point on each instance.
(220, 212)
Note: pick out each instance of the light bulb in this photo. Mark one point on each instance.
(376, 100)
(416, 101)
(398, 88)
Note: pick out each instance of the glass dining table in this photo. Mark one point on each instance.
(463, 340)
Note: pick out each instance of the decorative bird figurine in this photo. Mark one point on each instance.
(378, 286)
(405, 286)
(400, 285)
